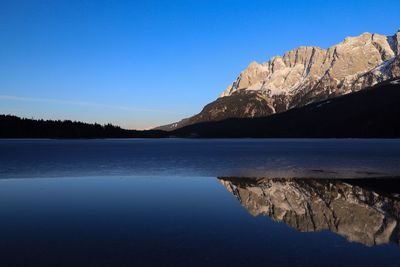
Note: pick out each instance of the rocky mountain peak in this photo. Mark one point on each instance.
(299, 68)
(305, 75)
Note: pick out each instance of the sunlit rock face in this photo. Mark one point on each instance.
(352, 211)
(305, 75)
(309, 74)
(337, 70)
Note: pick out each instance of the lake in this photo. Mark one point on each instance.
(191, 202)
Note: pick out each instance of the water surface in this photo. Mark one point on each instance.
(197, 203)
(196, 157)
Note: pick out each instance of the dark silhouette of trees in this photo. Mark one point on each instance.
(16, 127)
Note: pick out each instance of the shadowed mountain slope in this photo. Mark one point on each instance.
(373, 112)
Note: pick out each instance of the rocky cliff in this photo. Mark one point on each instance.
(305, 75)
(354, 211)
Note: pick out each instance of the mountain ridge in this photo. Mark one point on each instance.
(302, 76)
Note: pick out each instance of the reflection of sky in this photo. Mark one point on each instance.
(156, 55)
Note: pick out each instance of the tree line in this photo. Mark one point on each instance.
(16, 127)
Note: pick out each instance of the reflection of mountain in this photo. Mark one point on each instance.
(354, 209)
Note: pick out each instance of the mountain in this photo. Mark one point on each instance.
(370, 113)
(358, 210)
(304, 75)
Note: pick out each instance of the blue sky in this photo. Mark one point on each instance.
(144, 63)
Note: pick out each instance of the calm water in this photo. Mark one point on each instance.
(189, 203)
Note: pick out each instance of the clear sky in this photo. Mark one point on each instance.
(144, 63)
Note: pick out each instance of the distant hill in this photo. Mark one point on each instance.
(371, 113)
(15, 127)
